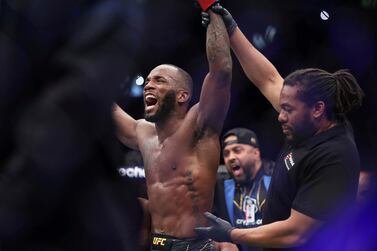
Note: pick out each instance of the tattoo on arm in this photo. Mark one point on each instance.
(218, 47)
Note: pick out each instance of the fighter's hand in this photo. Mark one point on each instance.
(218, 229)
(229, 22)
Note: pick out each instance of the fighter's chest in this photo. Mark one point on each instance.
(162, 160)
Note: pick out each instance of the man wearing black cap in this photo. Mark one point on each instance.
(240, 198)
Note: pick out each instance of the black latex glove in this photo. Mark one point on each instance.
(229, 22)
(218, 229)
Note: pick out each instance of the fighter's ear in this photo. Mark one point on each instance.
(182, 96)
(318, 109)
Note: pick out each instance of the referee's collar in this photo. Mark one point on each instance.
(322, 136)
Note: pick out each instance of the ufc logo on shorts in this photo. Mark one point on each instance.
(159, 241)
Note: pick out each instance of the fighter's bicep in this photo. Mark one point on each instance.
(214, 101)
(126, 128)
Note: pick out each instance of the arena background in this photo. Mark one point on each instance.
(292, 34)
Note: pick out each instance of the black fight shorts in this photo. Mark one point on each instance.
(162, 242)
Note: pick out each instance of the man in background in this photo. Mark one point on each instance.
(241, 198)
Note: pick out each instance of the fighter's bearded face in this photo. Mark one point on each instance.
(158, 109)
(159, 93)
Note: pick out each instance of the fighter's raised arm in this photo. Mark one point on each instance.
(215, 94)
(256, 66)
(126, 127)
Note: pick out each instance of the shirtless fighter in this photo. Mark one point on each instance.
(180, 146)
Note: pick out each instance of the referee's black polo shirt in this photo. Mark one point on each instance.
(317, 177)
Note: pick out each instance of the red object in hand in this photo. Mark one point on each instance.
(205, 4)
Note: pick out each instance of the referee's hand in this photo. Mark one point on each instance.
(218, 229)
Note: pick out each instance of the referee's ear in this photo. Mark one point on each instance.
(319, 109)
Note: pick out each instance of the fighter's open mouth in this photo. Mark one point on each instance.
(150, 100)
